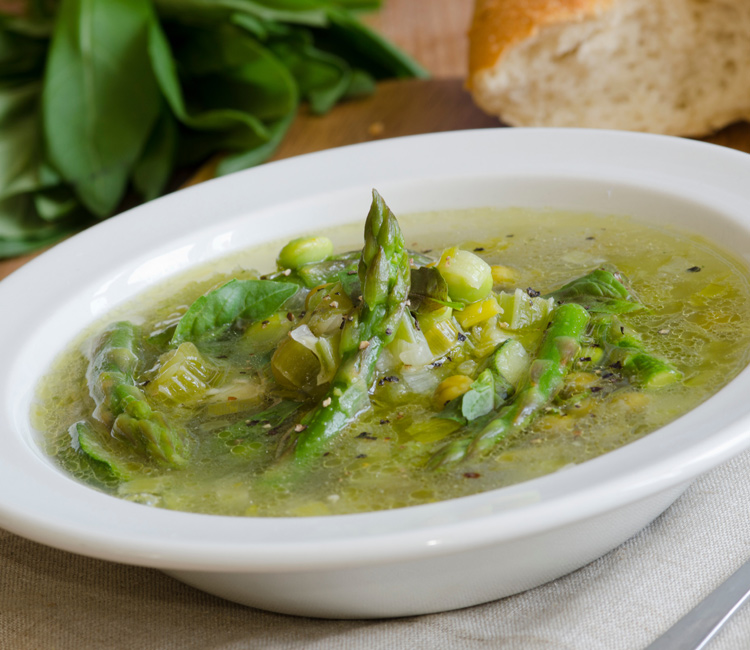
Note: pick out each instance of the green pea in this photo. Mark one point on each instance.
(468, 276)
(305, 250)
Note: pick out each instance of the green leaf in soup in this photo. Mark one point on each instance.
(214, 313)
(152, 172)
(429, 290)
(479, 400)
(100, 97)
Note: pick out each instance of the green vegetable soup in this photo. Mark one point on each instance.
(434, 358)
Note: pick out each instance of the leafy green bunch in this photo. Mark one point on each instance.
(102, 97)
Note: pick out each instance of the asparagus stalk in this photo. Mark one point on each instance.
(557, 353)
(599, 291)
(121, 406)
(384, 276)
(625, 350)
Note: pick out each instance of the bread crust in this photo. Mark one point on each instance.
(498, 25)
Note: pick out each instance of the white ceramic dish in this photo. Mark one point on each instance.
(404, 562)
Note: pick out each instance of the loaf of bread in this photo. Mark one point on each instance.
(680, 67)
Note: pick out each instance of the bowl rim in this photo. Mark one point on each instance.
(57, 511)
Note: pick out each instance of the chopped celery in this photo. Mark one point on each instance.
(439, 330)
(511, 362)
(184, 376)
(520, 310)
(478, 312)
(325, 350)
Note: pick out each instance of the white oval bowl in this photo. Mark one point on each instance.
(403, 562)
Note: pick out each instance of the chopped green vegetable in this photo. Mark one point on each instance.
(559, 350)
(468, 276)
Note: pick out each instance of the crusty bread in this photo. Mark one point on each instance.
(680, 67)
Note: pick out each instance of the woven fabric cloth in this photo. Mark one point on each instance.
(52, 600)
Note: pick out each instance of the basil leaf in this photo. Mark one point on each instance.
(480, 398)
(348, 37)
(429, 290)
(20, 141)
(21, 58)
(100, 97)
(151, 173)
(55, 203)
(251, 157)
(22, 230)
(323, 78)
(213, 314)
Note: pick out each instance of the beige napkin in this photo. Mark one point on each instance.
(52, 600)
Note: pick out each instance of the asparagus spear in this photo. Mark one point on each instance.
(547, 373)
(384, 276)
(121, 406)
(599, 291)
(624, 349)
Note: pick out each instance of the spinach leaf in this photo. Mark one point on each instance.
(224, 110)
(480, 398)
(365, 48)
(22, 230)
(151, 173)
(21, 146)
(100, 97)
(429, 290)
(323, 78)
(213, 314)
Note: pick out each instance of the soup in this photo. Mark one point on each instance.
(419, 367)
